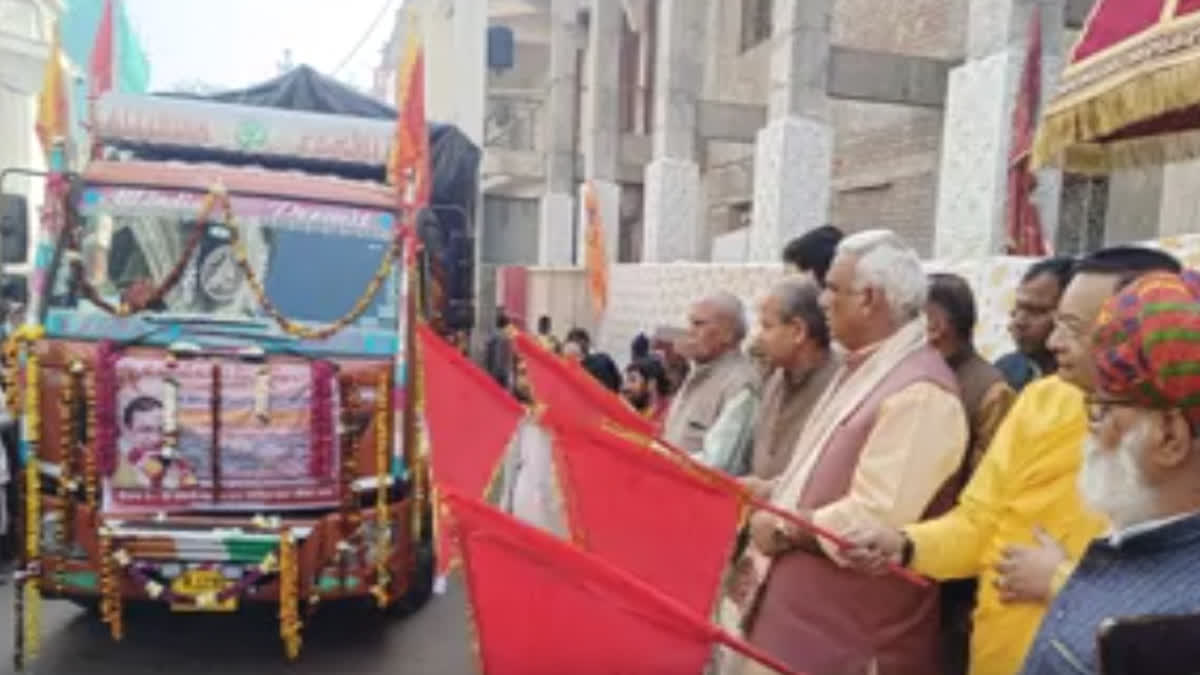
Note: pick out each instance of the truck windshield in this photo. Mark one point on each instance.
(314, 260)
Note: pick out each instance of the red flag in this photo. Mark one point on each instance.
(645, 512)
(100, 65)
(543, 606)
(1024, 224)
(470, 420)
(568, 387)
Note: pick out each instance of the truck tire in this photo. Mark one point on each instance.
(420, 586)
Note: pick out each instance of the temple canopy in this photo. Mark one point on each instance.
(1130, 94)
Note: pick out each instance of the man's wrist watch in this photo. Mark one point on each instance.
(906, 550)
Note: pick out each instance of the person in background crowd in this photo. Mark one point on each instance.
(1141, 468)
(986, 397)
(1020, 520)
(985, 394)
(1032, 320)
(498, 354)
(712, 413)
(640, 348)
(794, 340)
(646, 388)
(812, 252)
(545, 335)
(598, 364)
(666, 346)
(880, 446)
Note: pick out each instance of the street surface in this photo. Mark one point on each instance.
(435, 641)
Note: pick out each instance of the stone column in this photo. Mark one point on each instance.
(793, 154)
(672, 201)
(557, 217)
(977, 135)
(601, 138)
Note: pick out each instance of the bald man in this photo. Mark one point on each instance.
(711, 416)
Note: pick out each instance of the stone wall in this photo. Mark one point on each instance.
(932, 28)
(885, 169)
(644, 297)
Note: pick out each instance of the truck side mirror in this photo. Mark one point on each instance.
(14, 228)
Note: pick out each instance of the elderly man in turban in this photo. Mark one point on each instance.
(1141, 469)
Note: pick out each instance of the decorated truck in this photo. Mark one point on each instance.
(213, 383)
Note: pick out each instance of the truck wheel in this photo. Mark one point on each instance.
(420, 586)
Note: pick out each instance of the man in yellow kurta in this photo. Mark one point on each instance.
(1020, 521)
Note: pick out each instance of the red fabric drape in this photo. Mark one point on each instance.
(568, 387)
(100, 64)
(1114, 21)
(671, 526)
(543, 606)
(470, 420)
(1024, 224)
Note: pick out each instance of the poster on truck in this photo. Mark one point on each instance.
(269, 452)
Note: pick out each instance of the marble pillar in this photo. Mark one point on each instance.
(601, 119)
(977, 131)
(673, 226)
(557, 219)
(672, 207)
(793, 154)
(793, 160)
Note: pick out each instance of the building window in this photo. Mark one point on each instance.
(757, 22)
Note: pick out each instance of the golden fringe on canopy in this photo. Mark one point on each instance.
(1065, 135)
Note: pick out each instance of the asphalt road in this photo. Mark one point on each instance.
(434, 641)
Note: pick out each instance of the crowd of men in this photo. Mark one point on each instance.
(1054, 494)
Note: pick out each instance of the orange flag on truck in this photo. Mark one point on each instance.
(470, 420)
(668, 524)
(410, 149)
(53, 112)
(566, 385)
(541, 605)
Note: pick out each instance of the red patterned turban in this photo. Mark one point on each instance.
(1147, 343)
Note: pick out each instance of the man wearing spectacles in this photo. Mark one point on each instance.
(1141, 469)
(1020, 520)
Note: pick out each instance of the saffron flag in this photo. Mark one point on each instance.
(53, 111)
(1024, 224)
(567, 386)
(100, 64)
(595, 252)
(646, 512)
(470, 421)
(410, 150)
(541, 605)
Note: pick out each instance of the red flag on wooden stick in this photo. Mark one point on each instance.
(470, 420)
(543, 606)
(568, 387)
(645, 512)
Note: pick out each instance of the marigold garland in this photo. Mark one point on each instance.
(31, 593)
(106, 406)
(67, 483)
(289, 596)
(285, 324)
(136, 304)
(383, 446)
(110, 587)
(90, 451)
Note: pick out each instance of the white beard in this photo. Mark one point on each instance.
(1112, 483)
